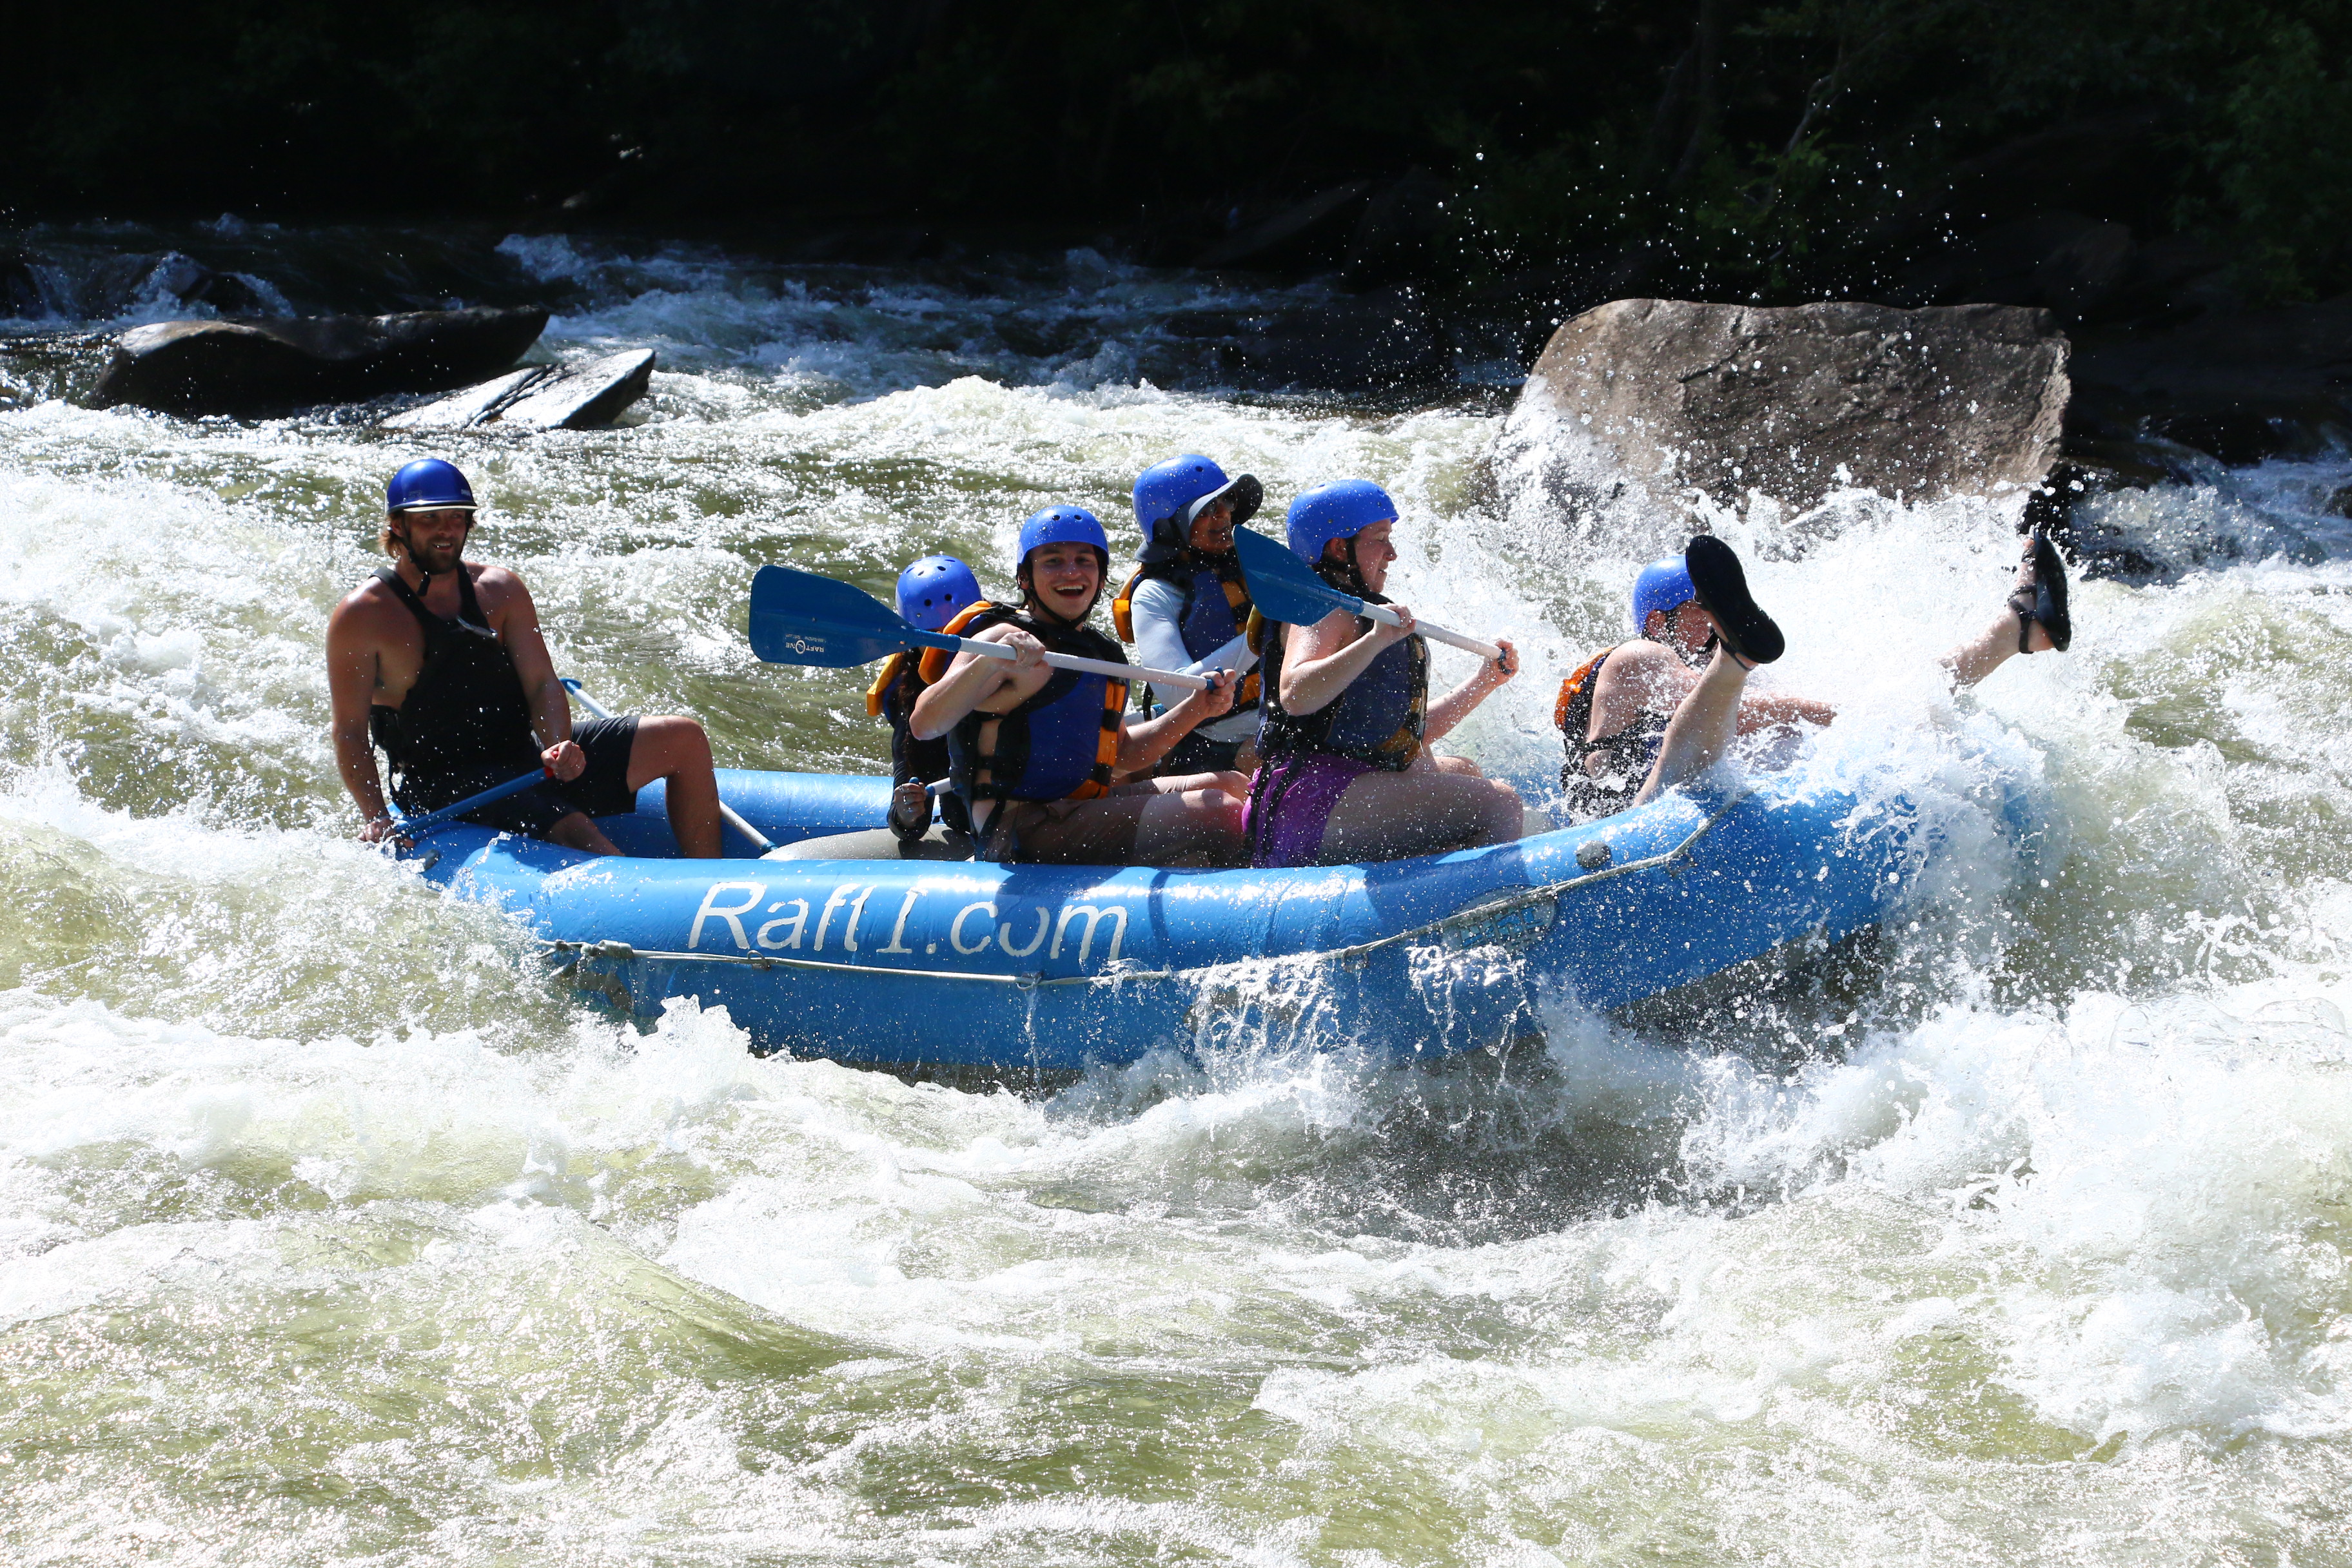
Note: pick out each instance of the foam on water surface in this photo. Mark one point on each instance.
(331, 1230)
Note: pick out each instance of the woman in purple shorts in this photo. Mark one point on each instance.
(1348, 774)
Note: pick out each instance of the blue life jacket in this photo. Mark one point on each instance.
(1379, 718)
(1061, 743)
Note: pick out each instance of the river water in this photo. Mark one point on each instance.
(333, 1232)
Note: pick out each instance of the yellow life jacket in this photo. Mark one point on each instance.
(890, 672)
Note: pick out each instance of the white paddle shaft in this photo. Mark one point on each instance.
(1091, 666)
(1388, 617)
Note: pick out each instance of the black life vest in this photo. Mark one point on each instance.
(1216, 607)
(1062, 744)
(467, 708)
(1377, 718)
(1626, 757)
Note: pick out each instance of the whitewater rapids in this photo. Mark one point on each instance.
(332, 1232)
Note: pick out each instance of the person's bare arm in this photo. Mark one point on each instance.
(973, 679)
(1639, 678)
(1769, 712)
(351, 694)
(1143, 743)
(1647, 677)
(1459, 703)
(507, 605)
(1319, 661)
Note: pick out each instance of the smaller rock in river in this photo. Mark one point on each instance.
(542, 397)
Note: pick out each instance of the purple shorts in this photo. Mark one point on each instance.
(1290, 805)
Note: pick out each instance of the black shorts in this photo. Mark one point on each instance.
(601, 790)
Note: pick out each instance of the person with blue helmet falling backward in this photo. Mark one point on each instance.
(440, 661)
(1348, 774)
(1644, 715)
(1185, 606)
(931, 592)
(1037, 753)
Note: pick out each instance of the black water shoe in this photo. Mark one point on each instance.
(1722, 587)
(2043, 599)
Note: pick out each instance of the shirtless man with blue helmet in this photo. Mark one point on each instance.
(440, 661)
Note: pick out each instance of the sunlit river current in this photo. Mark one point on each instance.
(333, 1231)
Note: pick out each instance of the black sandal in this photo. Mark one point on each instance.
(2044, 601)
(1748, 633)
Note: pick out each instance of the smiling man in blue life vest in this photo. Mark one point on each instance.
(1034, 752)
(1185, 606)
(440, 662)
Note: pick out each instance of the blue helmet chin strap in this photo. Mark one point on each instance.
(1347, 577)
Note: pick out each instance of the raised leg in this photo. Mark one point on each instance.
(1702, 727)
(1994, 646)
(1989, 649)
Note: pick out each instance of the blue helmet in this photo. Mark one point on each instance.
(933, 589)
(1342, 511)
(1170, 497)
(1663, 585)
(1062, 525)
(428, 484)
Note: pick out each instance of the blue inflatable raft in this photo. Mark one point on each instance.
(910, 962)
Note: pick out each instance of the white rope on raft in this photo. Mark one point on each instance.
(1354, 956)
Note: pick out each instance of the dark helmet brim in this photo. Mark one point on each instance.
(1246, 494)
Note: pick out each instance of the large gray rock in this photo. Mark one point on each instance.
(1648, 400)
(271, 364)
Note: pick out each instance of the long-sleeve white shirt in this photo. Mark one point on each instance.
(1155, 607)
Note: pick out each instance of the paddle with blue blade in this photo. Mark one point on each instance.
(799, 618)
(411, 828)
(1284, 588)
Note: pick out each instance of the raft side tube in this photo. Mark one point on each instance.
(1051, 967)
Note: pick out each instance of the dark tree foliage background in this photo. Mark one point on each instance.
(1731, 148)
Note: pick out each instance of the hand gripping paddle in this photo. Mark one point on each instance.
(1284, 588)
(799, 618)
